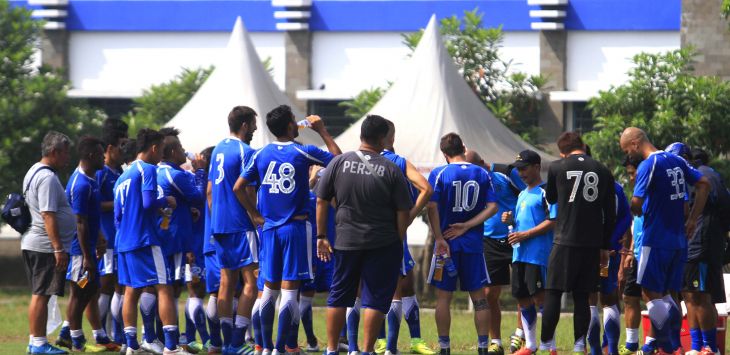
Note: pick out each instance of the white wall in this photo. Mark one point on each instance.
(523, 48)
(598, 60)
(132, 61)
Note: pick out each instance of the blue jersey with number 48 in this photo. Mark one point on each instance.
(661, 180)
(461, 191)
(282, 171)
(227, 162)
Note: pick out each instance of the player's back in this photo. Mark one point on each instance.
(82, 193)
(461, 191)
(583, 189)
(107, 178)
(137, 227)
(227, 162)
(507, 186)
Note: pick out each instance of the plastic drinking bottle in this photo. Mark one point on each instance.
(166, 213)
(304, 124)
(438, 270)
(84, 280)
(510, 229)
(449, 265)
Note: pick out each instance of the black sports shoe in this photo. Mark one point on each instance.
(446, 351)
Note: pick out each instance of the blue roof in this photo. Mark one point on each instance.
(360, 15)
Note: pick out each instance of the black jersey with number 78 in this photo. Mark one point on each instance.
(583, 189)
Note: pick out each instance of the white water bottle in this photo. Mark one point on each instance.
(510, 229)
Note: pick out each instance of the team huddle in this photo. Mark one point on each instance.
(248, 227)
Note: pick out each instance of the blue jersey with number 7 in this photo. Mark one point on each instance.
(227, 162)
(661, 180)
(281, 169)
(461, 191)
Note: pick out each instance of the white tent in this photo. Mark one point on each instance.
(239, 78)
(429, 99)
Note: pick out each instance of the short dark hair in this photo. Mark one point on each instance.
(373, 129)
(632, 161)
(570, 141)
(170, 134)
(112, 136)
(115, 124)
(169, 131)
(87, 145)
(240, 115)
(146, 138)
(452, 145)
(207, 153)
(278, 120)
(700, 155)
(129, 150)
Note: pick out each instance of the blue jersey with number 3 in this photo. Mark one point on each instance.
(461, 191)
(661, 180)
(227, 162)
(282, 171)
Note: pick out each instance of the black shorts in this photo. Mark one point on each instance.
(375, 271)
(631, 288)
(706, 278)
(43, 277)
(527, 279)
(498, 254)
(573, 269)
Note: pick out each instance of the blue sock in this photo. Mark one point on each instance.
(78, 342)
(172, 335)
(117, 330)
(482, 341)
(189, 327)
(444, 342)
(130, 334)
(343, 332)
(675, 323)
(239, 331)
(215, 331)
(611, 328)
(649, 347)
(227, 330)
(199, 323)
(709, 338)
(353, 325)
(394, 316)
(292, 339)
(268, 302)
(367, 353)
(148, 321)
(530, 314)
(696, 335)
(65, 332)
(286, 317)
(159, 330)
(594, 333)
(305, 312)
(411, 313)
(256, 324)
(632, 346)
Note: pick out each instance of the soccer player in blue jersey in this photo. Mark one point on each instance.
(282, 170)
(137, 206)
(404, 301)
(497, 250)
(82, 193)
(235, 235)
(533, 220)
(463, 198)
(659, 194)
(178, 227)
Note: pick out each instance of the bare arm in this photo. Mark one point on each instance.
(540, 229)
(636, 206)
(424, 189)
(458, 229)
(324, 249)
(318, 126)
(240, 189)
(404, 220)
(702, 191)
(209, 194)
(440, 246)
(107, 206)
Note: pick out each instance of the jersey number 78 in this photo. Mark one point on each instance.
(590, 186)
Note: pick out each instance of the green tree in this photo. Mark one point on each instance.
(513, 97)
(664, 98)
(32, 100)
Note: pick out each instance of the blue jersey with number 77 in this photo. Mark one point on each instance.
(281, 169)
(461, 191)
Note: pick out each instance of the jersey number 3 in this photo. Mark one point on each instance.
(590, 187)
(284, 182)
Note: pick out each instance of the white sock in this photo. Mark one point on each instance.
(408, 303)
(580, 345)
(30, 340)
(648, 339)
(355, 308)
(147, 302)
(269, 296)
(304, 303)
(103, 303)
(289, 300)
(193, 304)
(669, 301)
(212, 310)
(256, 307)
(76, 333)
(520, 333)
(116, 305)
(632, 335)
(611, 314)
(658, 312)
(65, 324)
(98, 333)
(242, 321)
(548, 345)
(529, 333)
(595, 319)
(497, 341)
(39, 341)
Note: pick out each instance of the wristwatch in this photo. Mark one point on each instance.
(321, 236)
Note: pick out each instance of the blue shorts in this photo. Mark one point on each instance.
(107, 264)
(143, 267)
(610, 284)
(75, 269)
(374, 271)
(322, 277)
(408, 263)
(212, 272)
(236, 250)
(287, 251)
(471, 269)
(661, 270)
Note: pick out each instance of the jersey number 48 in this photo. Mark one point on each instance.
(284, 182)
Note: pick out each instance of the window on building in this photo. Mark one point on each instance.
(582, 117)
(333, 114)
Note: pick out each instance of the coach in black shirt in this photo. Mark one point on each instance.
(584, 191)
(372, 214)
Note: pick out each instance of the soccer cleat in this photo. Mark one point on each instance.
(387, 352)
(418, 346)
(623, 350)
(380, 346)
(176, 351)
(46, 349)
(154, 347)
(515, 343)
(312, 348)
(213, 349)
(524, 351)
(495, 349)
(354, 353)
(188, 348)
(113, 347)
(196, 347)
(139, 351)
(266, 352)
(445, 351)
(693, 352)
(89, 348)
(707, 351)
(242, 350)
(290, 351)
(64, 342)
(482, 351)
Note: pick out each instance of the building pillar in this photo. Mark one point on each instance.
(298, 46)
(54, 49)
(704, 28)
(553, 46)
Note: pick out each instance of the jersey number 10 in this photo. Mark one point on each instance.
(462, 201)
(590, 186)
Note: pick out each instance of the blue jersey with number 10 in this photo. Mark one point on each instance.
(462, 191)
(282, 171)
(661, 180)
(227, 162)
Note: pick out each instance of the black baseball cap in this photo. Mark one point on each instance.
(525, 158)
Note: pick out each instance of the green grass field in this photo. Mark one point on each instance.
(14, 327)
